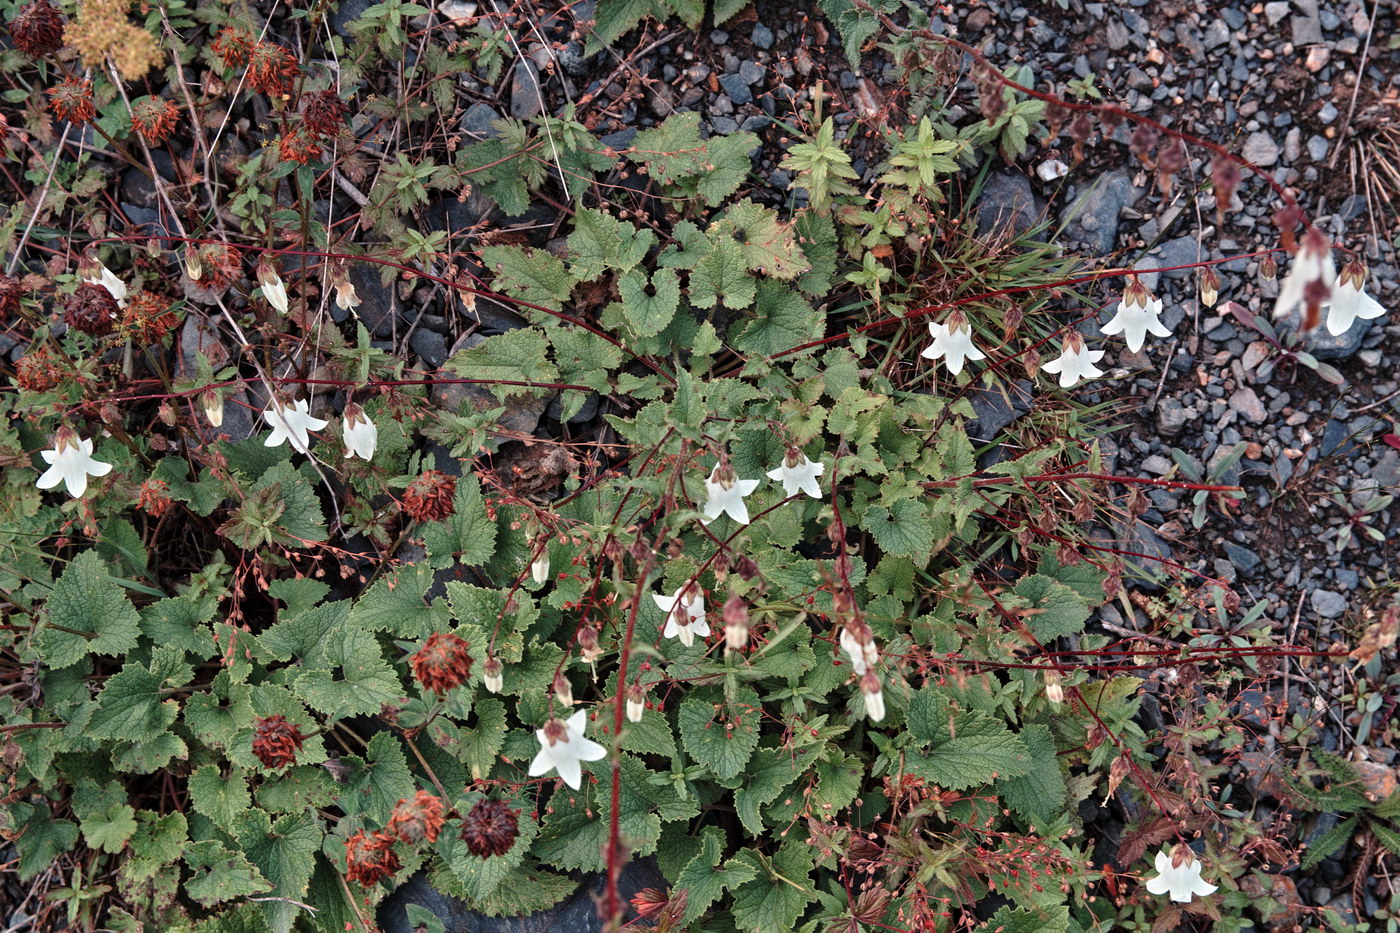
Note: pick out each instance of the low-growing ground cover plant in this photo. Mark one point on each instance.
(289, 621)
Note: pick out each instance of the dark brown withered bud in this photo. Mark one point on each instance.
(1225, 175)
(10, 292)
(91, 309)
(324, 113)
(490, 828)
(1170, 161)
(1142, 141)
(37, 29)
(746, 568)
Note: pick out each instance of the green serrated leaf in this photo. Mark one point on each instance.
(722, 743)
(94, 613)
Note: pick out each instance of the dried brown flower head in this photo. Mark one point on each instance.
(297, 145)
(370, 859)
(233, 46)
(103, 31)
(442, 663)
(37, 28)
(220, 265)
(38, 370)
(276, 741)
(429, 497)
(324, 113)
(417, 819)
(72, 100)
(154, 497)
(147, 318)
(490, 828)
(91, 309)
(154, 118)
(271, 69)
(10, 291)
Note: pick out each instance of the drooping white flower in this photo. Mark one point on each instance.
(291, 422)
(1075, 362)
(70, 462)
(361, 436)
(1054, 686)
(1137, 316)
(212, 401)
(636, 703)
(101, 275)
(725, 492)
(685, 614)
(493, 674)
(1310, 278)
(539, 567)
(863, 655)
(563, 746)
(345, 297)
(1349, 300)
(1179, 876)
(874, 696)
(798, 474)
(273, 288)
(952, 342)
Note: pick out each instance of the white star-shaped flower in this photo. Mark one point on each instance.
(1349, 302)
(1180, 883)
(108, 280)
(1137, 316)
(1312, 264)
(953, 344)
(685, 614)
(563, 746)
(361, 436)
(71, 462)
(798, 474)
(291, 422)
(1076, 362)
(725, 492)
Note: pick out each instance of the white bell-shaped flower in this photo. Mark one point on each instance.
(361, 436)
(1349, 300)
(1179, 876)
(724, 493)
(1137, 316)
(563, 746)
(685, 614)
(70, 462)
(1310, 278)
(291, 423)
(273, 288)
(798, 474)
(952, 343)
(99, 274)
(1075, 362)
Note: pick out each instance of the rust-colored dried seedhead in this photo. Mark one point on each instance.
(154, 118)
(272, 69)
(297, 145)
(276, 741)
(148, 318)
(490, 828)
(442, 663)
(429, 497)
(72, 100)
(92, 310)
(417, 819)
(370, 859)
(38, 370)
(233, 46)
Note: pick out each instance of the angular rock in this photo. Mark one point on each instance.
(1248, 404)
(1007, 202)
(526, 94)
(1261, 149)
(1329, 604)
(1092, 219)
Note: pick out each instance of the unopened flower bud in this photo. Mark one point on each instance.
(1210, 286)
(1054, 686)
(563, 690)
(539, 567)
(588, 646)
(736, 624)
(166, 413)
(491, 674)
(636, 703)
(1268, 268)
(194, 267)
